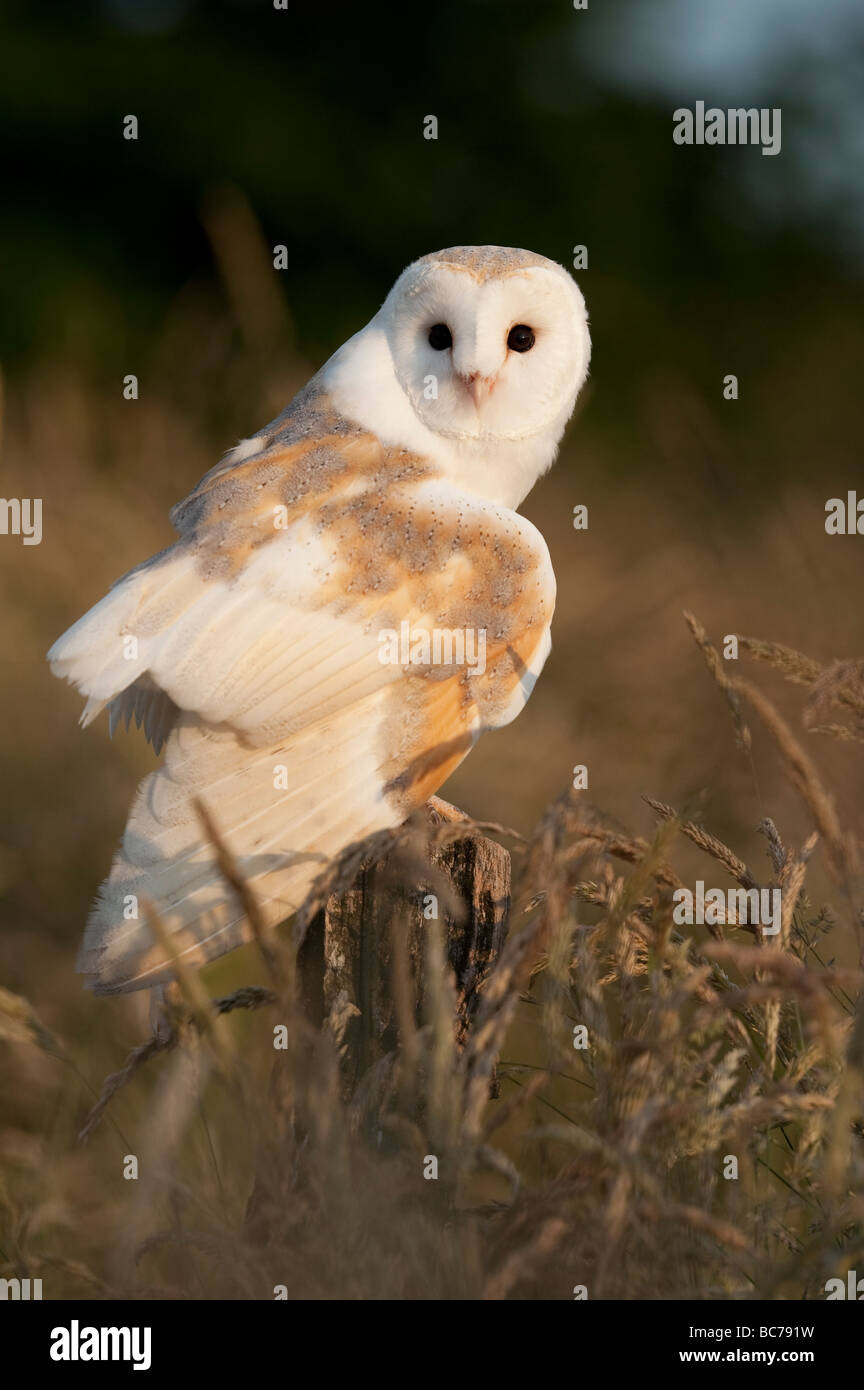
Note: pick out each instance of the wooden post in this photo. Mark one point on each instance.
(349, 948)
(348, 951)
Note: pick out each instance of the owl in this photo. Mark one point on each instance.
(308, 649)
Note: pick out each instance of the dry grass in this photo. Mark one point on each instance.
(699, 1049)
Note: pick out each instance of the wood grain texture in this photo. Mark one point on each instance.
(354, 943)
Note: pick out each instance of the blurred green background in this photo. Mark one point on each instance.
(304, 127)
(554, 129)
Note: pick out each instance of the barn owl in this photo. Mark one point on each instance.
(382, 500)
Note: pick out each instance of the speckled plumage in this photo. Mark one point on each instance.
(486, 262)
(257, 636)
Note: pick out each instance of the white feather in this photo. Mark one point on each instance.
(248, 670)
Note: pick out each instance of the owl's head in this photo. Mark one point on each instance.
(488, 342)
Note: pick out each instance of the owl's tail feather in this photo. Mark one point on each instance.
(282, 811)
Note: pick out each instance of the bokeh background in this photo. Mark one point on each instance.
(260, 127)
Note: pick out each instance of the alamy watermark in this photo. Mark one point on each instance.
(77, 1343)
(21, 516)
(737, 126)
(437, 646)
(845, 515)
(760, 907)
(850, 1288)
(20, 1290)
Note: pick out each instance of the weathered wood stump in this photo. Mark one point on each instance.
(363, 957)
(352, 947)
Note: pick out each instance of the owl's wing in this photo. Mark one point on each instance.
(292, 633)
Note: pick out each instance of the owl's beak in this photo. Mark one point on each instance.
(479, 387)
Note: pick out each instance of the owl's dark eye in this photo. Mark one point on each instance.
(440, 337)
(520, 338)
